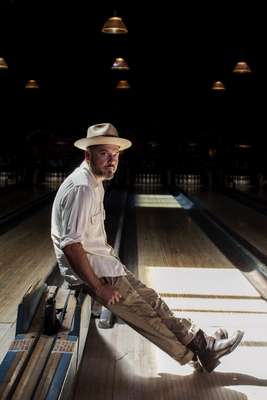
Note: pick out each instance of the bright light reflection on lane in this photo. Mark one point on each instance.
(218, 304)
(155, 201)
(199, 281)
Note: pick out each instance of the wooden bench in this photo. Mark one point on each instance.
(44, 357)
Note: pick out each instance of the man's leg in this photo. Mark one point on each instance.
(140, 315)
(183, 328)
(176, 325)
(207, 349)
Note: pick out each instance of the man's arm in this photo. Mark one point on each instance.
(78, 260)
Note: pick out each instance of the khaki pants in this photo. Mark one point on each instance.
(143, 309)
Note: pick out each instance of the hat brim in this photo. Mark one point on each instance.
(86, 142)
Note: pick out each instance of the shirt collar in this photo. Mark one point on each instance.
(87, 167)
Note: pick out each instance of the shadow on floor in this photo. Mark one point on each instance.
(108, 373)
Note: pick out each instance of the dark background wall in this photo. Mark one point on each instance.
(175, 52)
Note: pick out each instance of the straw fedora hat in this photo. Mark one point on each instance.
(104, 133)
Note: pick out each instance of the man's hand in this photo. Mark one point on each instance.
(108, 294)
(79, 261)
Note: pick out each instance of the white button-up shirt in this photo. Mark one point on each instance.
(78, 217)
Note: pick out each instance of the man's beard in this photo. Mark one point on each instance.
(107, 174)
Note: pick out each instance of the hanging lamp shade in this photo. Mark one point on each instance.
(31, 84)
(114, 25)
(120, 64)
(212, 152)
(218, 86)
(3, 64)
(243, 146)
(241, 68)
(123, 84)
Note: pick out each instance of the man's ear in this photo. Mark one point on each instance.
(87, 155)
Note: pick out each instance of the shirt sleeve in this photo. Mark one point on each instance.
(75, 212)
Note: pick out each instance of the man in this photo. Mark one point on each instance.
(85, 259)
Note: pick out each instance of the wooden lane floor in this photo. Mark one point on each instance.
(26, 255)
(258, 194)
(243, 220)
(167, 236)
(18, 197)
(195, 278)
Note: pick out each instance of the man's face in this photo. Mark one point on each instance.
(104, 159)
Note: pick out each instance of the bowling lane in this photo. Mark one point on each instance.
(243, 220)
(26, 255)
(257, 194)
(176, 258)
(167, 236)
(18, 197)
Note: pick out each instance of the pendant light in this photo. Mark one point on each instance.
(123, 85)
(241, 68)
(120, 64)
(3, 64)
(114, 25)
(218, 86)
(31, 84)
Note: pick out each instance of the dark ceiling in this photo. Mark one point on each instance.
(175, 51)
